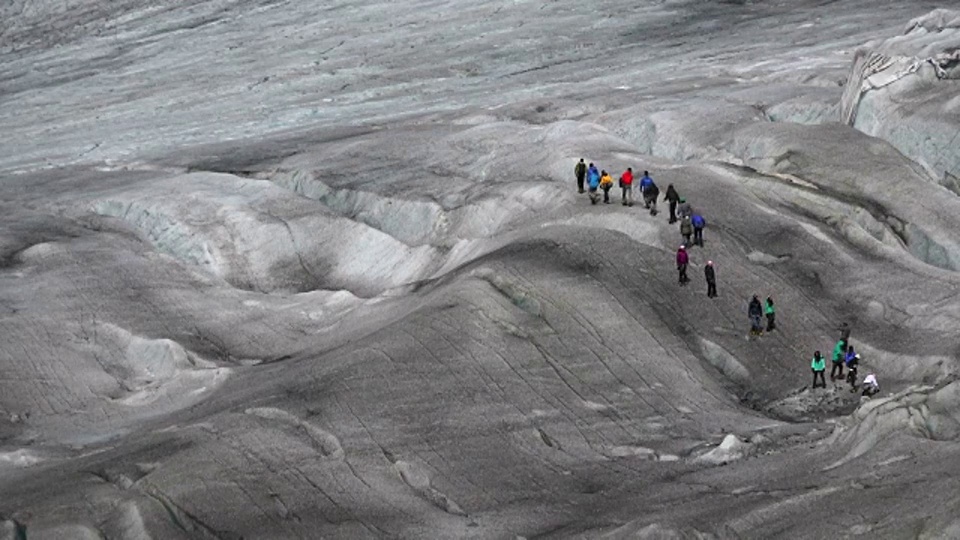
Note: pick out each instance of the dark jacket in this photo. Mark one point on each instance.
(580, 170)
(709, 273)
(672, 194)
(755, 309)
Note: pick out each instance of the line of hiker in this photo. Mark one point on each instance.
(692, 224)
(844, 355)
(596, 180)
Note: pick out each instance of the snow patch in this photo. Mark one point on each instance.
(731, 449)
(20, 458)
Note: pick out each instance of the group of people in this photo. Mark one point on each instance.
(844, 355)
(596, 180)
(692, 224)
(755, 311)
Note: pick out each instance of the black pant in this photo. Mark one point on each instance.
(837, 368)
(852, 378)
(606, 194)
(580, 184)
(682, 268)
(686, 239)
(771, 321)
(673, 211)
(820, 373)
(698, 236)
(711, 289)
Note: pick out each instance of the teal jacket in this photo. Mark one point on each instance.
(838, 351)
(818, 364)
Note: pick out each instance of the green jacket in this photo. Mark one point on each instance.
(769, 309)
(838, 351)
(818, 364)
(580, 169)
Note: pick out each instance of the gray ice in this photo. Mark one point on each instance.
(293, 269)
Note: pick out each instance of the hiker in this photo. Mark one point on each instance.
(818, 366)
(838, 357)
(626, 185)
(870, 385)
(771, 314)
(698, 224)
(654, 195)
(850, 357)
(684, 209)
(682, 260)
(711, 275)
(852, 364)
(650, 192)
(606, 182)
(593, 182)
(593, 171)
(673, 197)
(645, 183)
(686, 229)
(755, 311)
(844, 331)
(580, 171)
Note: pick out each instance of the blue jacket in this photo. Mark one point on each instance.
(851, 359)
(698, 221)
(645, 183)
(593, 178)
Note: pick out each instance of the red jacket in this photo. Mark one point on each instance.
(682, 257)
(627, 178)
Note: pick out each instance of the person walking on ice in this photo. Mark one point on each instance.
(698, 224)
(686, 229)
(606, 182)
(650, 193)
(673, 198)
(580, 171)
(844, 331)
(838, 356)
(684, 209)
(593, 183)
(626, 185)
(818, 366)
(771, 314)
(755, 311)
(645, 183)
(711, 276)
(852, 364)
(682, 260)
